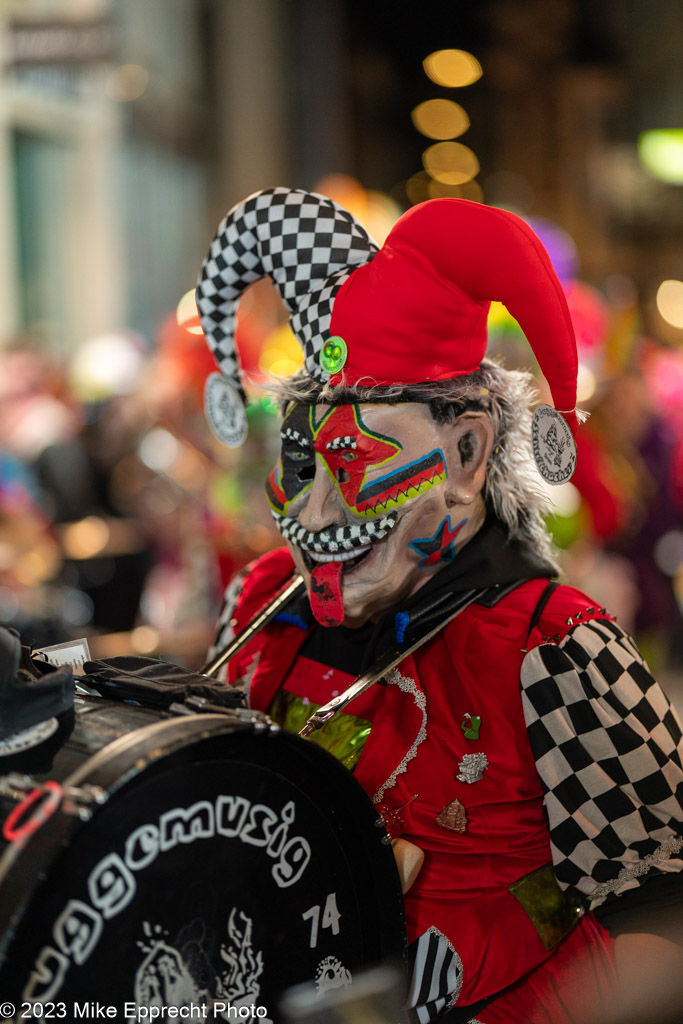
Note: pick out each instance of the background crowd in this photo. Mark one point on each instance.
(121, 518)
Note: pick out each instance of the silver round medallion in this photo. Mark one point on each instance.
(225, 412)
(553, 445)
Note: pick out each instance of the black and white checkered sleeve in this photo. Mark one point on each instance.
(306, 243)
(225, 630)
(608, 749)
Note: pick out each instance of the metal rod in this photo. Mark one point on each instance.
(295, 584)
(383, 665)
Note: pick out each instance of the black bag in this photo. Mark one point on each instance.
(155, 684)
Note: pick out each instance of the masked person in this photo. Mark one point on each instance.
(526, 764)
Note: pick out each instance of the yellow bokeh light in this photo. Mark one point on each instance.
(670, 302)
(281, 355)
(452, 68)
(86, 538)
(186, 312)
(417, 187)
(440, 119)
(144, 640)
(422, 186)
(471, 190)
(33, 568)
(451, 163)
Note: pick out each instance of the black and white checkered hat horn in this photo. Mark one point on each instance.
(307, 244)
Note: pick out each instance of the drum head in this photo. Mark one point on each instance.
(221, 875)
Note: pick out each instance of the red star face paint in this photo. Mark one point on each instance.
(440, 546)
(359, 494)
(366, 466)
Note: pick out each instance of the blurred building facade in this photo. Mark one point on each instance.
(128, 127)
(102, 172)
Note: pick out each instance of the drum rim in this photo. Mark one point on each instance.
(99, 770)
(61, 829)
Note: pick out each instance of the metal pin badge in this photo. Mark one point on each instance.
(470, 725)
(472, 768)
(333, 355)
(453, 817)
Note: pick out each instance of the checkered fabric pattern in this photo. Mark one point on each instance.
(607, 745)
(436, 976)
(307, 245)
(225, 632)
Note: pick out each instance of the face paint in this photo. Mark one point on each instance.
(355, 457)
(293, 473)
(358, 495)
(439, 547)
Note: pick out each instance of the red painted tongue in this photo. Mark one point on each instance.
(326, 593)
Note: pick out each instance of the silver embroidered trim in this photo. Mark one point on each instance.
(408, 685)
(664, 852)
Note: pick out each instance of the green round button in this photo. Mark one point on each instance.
(333, 354)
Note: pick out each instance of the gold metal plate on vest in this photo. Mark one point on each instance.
(552, 912)
(344, 737)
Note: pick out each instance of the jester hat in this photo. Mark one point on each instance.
(413, 311)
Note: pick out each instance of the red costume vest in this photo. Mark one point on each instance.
(416, 762)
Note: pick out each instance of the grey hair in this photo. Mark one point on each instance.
(513, 489)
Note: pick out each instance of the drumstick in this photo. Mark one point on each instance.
(390, 659)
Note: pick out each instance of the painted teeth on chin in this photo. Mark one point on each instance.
(342, 556)
(336, 539)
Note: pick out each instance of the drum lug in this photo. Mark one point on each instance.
(79, 801)
(74, 800)
(244, 717)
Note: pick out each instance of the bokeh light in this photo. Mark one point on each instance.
(126, 83)
(440, 119)
(451, 163)
(560, 247)
(376, 211)
(85, 539)
(282, 355)
(159, 449)
(421, 186)
(107, 365)
(452, 68)
(670, 302)
(661, 154)
(471, 190)
(187, 314)
(565, 499)
(586, 383)
(668, 552)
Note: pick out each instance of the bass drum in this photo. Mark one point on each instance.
(194, 860)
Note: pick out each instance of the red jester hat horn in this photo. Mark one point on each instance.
(417, 312)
